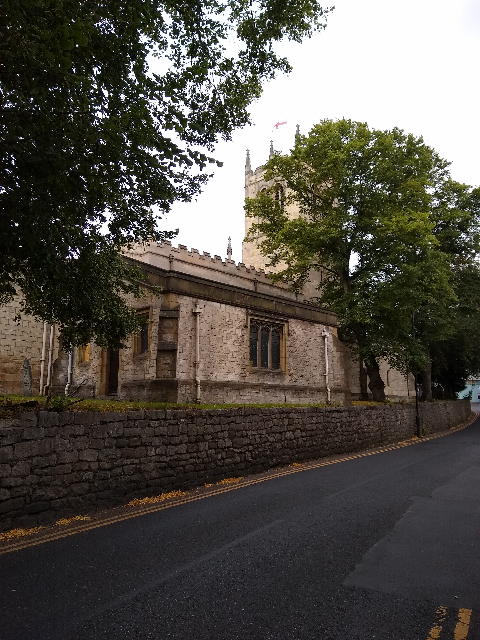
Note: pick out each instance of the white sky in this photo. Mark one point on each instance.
(413, 64)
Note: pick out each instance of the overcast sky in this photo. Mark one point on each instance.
(412, 64)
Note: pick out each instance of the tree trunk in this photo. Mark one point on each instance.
(363, 382)
(375, 384)
(427, 383)
(448, 391)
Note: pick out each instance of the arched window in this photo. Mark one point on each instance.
(266, 340)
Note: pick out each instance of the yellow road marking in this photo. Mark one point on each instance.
(461, 629)
(463, 624)
(435, 631)
(140, 511)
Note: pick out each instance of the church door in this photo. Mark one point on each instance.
(112, 373)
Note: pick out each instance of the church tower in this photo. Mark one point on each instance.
(254, 184)
(251, 255)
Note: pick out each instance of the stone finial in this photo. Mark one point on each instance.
(229, 248)
(297, 133)
(271, 150)
(248, 166)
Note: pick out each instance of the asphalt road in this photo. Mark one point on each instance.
(377, 547)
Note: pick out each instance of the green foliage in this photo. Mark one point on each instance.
(449, 333)
(457, 358)
(381, 219)
(97, 142)
(59, 403)
(14, 404)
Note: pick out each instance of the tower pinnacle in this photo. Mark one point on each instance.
(271, 149)
(248, 166)
(229, 248)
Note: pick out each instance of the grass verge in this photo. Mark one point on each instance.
(13, 404)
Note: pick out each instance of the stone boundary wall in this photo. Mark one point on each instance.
(60, 464)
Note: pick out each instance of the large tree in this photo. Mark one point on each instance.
(365, 200)
(109, 110)
(456, 359)
(449, 334)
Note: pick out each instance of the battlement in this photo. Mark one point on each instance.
(259, 171)
(170, 258)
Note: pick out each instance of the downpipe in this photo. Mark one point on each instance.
(197, 311)
(325, 335)
(42, 359)
(69, 372)
(50, 357)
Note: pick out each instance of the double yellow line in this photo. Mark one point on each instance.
(461, 629)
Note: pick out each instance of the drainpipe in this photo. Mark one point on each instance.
(325, 335)
(42, 359)
(197, 311)
(69, 372)
(50, 356)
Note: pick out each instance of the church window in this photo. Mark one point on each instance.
(275, 348)
(265, 344)
(83, 353)
(278, 194)
(142, 337)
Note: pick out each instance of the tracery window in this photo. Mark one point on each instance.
(265, 344)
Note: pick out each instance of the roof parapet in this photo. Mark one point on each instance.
(166, 256)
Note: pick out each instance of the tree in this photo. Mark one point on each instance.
(457, 358)
(108, 113)
(449, 334)
(365, 198)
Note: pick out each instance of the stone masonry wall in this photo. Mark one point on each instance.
(224, 366)
(19, 339)
(59, 464)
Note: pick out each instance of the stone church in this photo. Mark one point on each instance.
(219, 332)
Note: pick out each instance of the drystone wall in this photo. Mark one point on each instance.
(59, 464)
